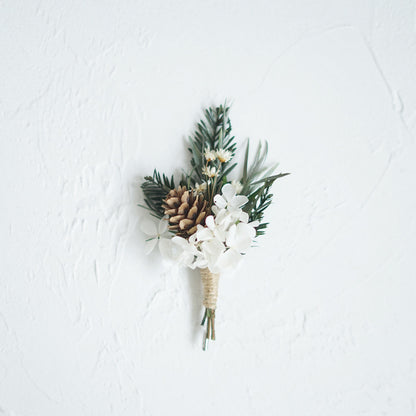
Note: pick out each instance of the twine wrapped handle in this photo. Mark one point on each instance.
(210, 286)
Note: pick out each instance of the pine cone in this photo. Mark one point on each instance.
(186, 209)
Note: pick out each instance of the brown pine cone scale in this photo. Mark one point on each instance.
(186, 209)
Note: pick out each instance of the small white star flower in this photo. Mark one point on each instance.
(223, 155)
(210, 172)
(210, 155)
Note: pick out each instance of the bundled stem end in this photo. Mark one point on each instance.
(210, 287)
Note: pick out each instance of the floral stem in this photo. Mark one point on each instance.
(213, 325)
(205, 317)
(213, 190)
(209, 324)
(209, 316)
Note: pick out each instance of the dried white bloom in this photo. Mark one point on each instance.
(210, 172)
(210, 155)
(200, 188)
(223, 155)
(238, 187)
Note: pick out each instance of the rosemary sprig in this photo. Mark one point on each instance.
(257, 180)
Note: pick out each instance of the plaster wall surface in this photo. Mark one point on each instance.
(319, 320)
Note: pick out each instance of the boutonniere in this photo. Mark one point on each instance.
(210, 218)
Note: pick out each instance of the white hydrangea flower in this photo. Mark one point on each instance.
(179, 251)
(229, 260)
(211, 251)
(210, 155)
(229, 199)
(223, 155)
(240, 236)
(209, 171)
(156, 233)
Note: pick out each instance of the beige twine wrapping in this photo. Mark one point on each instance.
(210, 283)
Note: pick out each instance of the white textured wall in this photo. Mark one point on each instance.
(321, 320)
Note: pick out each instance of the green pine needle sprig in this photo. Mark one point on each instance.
(212, 133)
(155, 188)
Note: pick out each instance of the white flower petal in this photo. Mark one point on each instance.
(219, 201)
(209, 222)
(250, 230)
(203, 234)
(180, 243)
(238, 201)
(220, 235)
(228, 260)
(243, 217)
(201, 262)
(186, 259)
(181, 252)
(228, 191)
(211, 251)
(221, 216)
(212, 248)
(148, 226)
(162, 226)
(231, 235)
(240, 237)
(149, 245)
